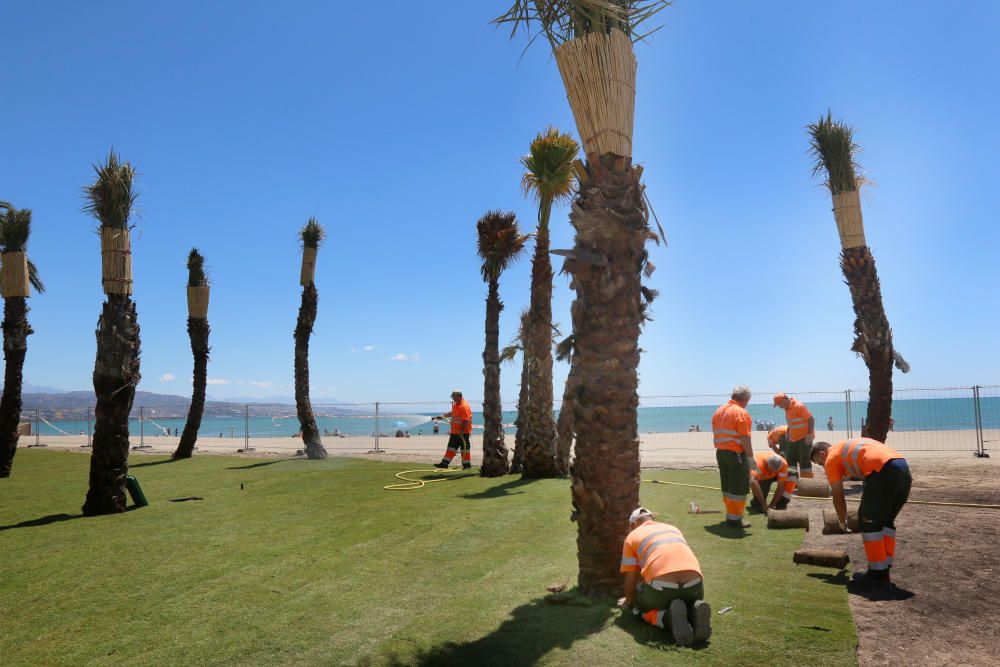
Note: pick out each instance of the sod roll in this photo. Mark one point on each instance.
(831, 525)
(788, 519)
(14, 276)
(811, 487)
(837, 558)
(198, 301)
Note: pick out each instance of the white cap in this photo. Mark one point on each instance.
(637, 514)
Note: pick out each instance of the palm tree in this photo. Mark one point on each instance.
(550, 178)
(111, 199)
(565, 425)
(311, 235)
(509, 353)
(500, 243)
(198, 330)
(832, 145)
(18, 272)
(592, 44)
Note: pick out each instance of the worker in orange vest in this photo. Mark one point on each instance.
(771, 469)
(777, 439)
(886, 488)
(801, 434)
(731, 428)
(461, 432)
(663, 579)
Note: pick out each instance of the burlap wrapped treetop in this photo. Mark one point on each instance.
(15, 275)
(198, 301)
(598, 71)
(116, 260)
(847, 213)
(308, 276)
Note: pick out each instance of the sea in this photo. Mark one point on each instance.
(924, 414)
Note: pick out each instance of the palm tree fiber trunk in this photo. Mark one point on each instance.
(540, 426)
(198, 331)
(516, 464)
(565, 426)
(872, 336)
(609, 254)
(303, 330)
(15, 345)
(494, 451)
(116, 374)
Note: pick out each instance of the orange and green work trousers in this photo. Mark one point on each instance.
(883, 496)
(799, 457)
(734, 473)
(652, 600)
(458, 442)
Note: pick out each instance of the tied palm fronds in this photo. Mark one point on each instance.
(831, 143)
(500, 242)
(312, 234)
(549, 173)
(111, 197)
(196, 269)
(15, 229)
(563, 20)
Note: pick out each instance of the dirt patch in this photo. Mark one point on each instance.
(947, 573)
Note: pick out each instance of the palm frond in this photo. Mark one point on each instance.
(509, 353)
(500, 242)
(111, 197)
(831, 144)
(563, 20)
(312, 234)
(34, 278)
(549, 173)
(196, 269)
(15, 228)
(564, 349)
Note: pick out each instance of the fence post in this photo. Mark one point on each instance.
(142, 429)
(850, 432)
(377, 428)
(246, 428)
(89, 443)
(38, 429)
(980, 442)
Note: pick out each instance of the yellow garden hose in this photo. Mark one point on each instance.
(411, 484)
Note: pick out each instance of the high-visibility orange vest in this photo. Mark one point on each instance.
(775, 435)
(764, 472)
(730, 422)
(460, 411)
(857, 458)
(797, 415)
(655, 549)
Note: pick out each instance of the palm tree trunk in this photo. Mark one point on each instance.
(540, 431)
(15, 345)
(872, 336)
(303, 330)
(494, 451)
(198, 333)
(116, 374)
(517, 463)
(610, 221)
(565, 426)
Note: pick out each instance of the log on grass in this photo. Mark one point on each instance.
(813, 488)
(788, 519)
(831, 524)
(837, 558)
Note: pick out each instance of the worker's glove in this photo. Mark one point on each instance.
(843, 527)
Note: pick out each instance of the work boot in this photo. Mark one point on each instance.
(443, 464)
(701, 621)
(739, 524)
(466, 466)
(679, 626)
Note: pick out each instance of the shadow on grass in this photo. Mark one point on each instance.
(154, 463)
(262, 464)
(532, 631)
(839, 579)
(724, 531)
(43, 521)
(501, 490)
(648, 635)
(858, 585)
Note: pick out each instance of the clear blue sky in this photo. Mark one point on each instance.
(398, 124)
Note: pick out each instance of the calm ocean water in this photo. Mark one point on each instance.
(932, 414)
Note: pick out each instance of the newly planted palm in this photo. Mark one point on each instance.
(500, 243)
(311, 235)
(549, 177)
(509, 353)
(832, 145)
(18, 276)
(198, 330)
(592, 44)
(566, 424)
(111, 199)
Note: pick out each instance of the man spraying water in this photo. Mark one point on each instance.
(461, 430)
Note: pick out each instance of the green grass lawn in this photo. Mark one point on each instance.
(314, 563)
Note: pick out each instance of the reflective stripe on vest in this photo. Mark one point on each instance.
(849, 457)
(652, 547)
(649, 538)
(724, 435)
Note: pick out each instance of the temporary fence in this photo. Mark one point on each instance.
(956, 419)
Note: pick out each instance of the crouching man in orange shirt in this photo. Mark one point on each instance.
(663, 579)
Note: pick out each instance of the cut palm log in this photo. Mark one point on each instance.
(837, 558)
(788, 519)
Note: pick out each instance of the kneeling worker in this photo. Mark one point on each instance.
(663, 579)
(886, 488)
(771, 469)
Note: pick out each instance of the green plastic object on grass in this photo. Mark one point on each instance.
(134, 490)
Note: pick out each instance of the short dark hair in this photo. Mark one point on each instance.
(817, 448)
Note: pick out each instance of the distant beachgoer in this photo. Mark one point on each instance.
(406, 434)
(829, 423)
(460, 432)
(220, 435)
(892, 424)
(691, 428)
(435, 428)
(399, 433)
(175, 432)
(697, 428)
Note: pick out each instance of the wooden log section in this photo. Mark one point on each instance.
(813, 488)
(788, 519)
(831, 526)
(837, 558)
